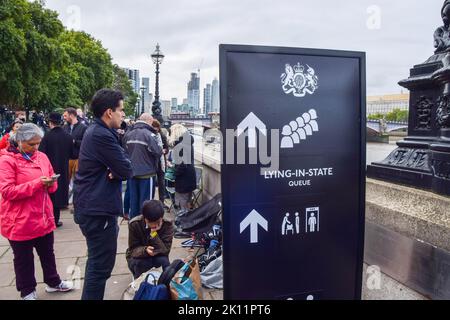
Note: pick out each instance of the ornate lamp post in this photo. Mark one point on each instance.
(143, 98)
(136, 109)
(157, 58)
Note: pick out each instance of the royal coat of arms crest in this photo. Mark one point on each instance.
(298, 82)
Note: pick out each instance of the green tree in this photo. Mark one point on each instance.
(90, 60)
(122, 83)
(42, 65)
(28, 50)
(395, 115)
(43, 55)
(376, 116)
(12, 51)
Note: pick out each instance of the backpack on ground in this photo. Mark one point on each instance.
(149, 291)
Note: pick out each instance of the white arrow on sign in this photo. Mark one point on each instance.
(254, 219)
(251, 123)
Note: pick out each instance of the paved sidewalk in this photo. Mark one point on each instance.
(70, 251)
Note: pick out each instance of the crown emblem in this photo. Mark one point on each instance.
(298, 68)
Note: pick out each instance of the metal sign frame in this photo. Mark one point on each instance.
(224, 50)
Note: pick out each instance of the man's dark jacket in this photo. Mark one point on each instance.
(58, 146)
(185, 176)
(95, 194)
(142, 147)
(77, 134)
(139, 239)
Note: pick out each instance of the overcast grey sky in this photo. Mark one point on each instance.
(395, 34)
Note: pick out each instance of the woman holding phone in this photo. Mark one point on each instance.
(26, 211)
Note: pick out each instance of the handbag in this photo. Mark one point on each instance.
(186, 284)
(170, 272)
(149, 291)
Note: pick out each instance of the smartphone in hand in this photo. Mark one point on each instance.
(55, 177)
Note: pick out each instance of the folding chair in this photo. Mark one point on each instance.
(170, 188)
(197, 193)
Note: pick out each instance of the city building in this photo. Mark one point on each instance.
(147, 98)
(215, 96)
(207, 99)
(174, 106)
(184, 108)
(385, 104)
(194, 93)
(166, 107)
(133, 75)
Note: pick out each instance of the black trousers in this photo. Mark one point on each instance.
(101, 234)
(56, 213)
(161, 185)
(139, 266)
(24, 263)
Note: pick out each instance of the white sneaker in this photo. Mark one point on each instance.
(31, 296)
(64, 286)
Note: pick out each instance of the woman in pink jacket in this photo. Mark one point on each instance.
(26, 211)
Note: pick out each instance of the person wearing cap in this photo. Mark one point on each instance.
(58, 146)
(26, 213)
(4, 143)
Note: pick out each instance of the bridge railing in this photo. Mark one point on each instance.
(389, 122)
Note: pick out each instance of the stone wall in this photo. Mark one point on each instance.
(211, 175)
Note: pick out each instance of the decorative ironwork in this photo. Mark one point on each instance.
(441, 169)
(443, 112)
(424, 107)
(442, 34)
(409, 158)
(418, 160)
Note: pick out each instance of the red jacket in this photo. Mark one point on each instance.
(26, 211)
(4, 143)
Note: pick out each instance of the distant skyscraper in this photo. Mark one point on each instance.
(185, 101)
(166, 108)
(147, 97)
(215, 96)
(194, 93)
(133, 75)
(207, 99)
(174, 105)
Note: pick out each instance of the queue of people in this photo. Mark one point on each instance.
(37, 170)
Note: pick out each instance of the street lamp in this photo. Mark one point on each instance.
(143, 98)
(157, 58)
(136, 109)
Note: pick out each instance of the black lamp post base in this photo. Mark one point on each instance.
(417, 164)
(422, 160)
(403, 176)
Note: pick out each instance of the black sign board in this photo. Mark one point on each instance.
(295, 231)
